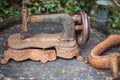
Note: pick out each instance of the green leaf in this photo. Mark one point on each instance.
(5, 3)
(71, 1)
(36, 4)
(53, 10)
(116, 20)
(114, 25)
(37, 12)
(61, 9)
(29, 9)
(117, 31)
(43, 9)
(6, 11)
(77, 8)
(68, 11)
(17, 12)
(52, 5)
(82, 3)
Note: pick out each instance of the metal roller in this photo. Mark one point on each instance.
(82, 35)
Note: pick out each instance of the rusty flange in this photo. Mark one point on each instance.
(108, 61)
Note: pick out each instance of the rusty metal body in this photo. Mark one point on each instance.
(109, 61)
(45, 47)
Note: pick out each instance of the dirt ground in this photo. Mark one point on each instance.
(60, 69)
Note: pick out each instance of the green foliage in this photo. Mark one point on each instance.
(58, 6)
(117, 31)
(114, 18)
(10, 8)
(7, 10)
(114, 21)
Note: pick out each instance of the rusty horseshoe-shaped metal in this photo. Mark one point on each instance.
(108, 61)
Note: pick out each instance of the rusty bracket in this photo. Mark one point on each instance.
(109, 61)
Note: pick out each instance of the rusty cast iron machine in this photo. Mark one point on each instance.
(46, 46)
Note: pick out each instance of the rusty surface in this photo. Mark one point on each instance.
(63, 19)
(42, 40)
(24, 17)
(60, 69)
(24, 45)
(78, 27)
(108, 61)
(63, 49)
(83, 37)
(24, 21)
(70, 24)
(77, 18)
(33, 54)
(42, 55)
(69, 53)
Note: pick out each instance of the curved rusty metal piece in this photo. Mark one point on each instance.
(84, 36)
(108, 61)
